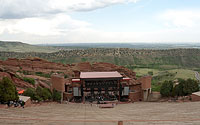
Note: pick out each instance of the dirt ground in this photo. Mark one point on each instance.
(140, 113)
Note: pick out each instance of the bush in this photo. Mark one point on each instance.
(178, 90)
(32, 93)
(29, 80)
(44, 93)
(38, 94)
(26, 72)
(66, 76)
(166, 88)
(190, 86)
(150, 73)
(56, 95)
(184, 88)
(8, 90)
(43, 74)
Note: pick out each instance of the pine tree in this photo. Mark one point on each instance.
(8, 90)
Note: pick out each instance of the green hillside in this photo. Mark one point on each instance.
(23, 47)
(131, 58)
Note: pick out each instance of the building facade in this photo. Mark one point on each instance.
(101, 87)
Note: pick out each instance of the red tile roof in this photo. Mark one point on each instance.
(92, 75)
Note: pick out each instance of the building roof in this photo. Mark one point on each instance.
(196, 93)
(24, 98)
(93, 75)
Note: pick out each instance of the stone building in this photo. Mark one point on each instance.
(102, 86)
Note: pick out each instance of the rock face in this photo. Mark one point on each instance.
(18, 82)
(4, 74)
(30, 66)
(103, 67)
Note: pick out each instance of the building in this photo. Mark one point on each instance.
(195, 96)
(102, 86)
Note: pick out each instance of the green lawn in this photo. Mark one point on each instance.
(183, 73)
(180, 73)
(144, 71)
(161, 75)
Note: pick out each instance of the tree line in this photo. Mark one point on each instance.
(180, 88)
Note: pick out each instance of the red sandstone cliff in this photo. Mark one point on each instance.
(33, 65)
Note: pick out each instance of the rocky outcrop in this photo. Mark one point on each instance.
(4, 74)
(17, 81)
(21, 84)
(84, 67)
(101, 66)
(30, 66)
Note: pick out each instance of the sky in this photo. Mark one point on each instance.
(100, 21)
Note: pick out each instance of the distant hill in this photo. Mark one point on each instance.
(12, 46)
(153, 56)
(23, 47)
(169, 58)
(129, 45)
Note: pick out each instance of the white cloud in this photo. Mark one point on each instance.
(181, 18)
(48, 20)
(54, 25)
(12, 9)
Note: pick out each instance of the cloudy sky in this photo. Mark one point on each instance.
(70, 21)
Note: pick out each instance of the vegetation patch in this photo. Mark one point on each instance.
(29, 80)
(48, 75)
(8, 91)
(180, 88)
(39, 94)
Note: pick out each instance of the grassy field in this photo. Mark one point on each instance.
(160, 75)
(180, 73)
(183, 73)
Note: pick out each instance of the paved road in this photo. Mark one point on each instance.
(197, 76)
(141, 113)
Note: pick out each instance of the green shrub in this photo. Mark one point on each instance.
(183, 88)
(178, 90)
(166, 88)
(56, 95)
(29, 80)
(66, 76)
(150, 73)
(38, 94)
(8, 90)
(43, 74)
(44, 93)
(190, 86)
(32, 93)
(26, 72)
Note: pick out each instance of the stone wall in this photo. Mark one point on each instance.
(58, 83)
(195, 97)
(135, 96)
(145, 82)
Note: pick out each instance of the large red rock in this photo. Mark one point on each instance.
(22, 84)
(4, 74)
(32, 65)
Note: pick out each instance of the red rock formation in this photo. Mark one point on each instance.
(4, 74)
(32, 65)
(18, 82)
